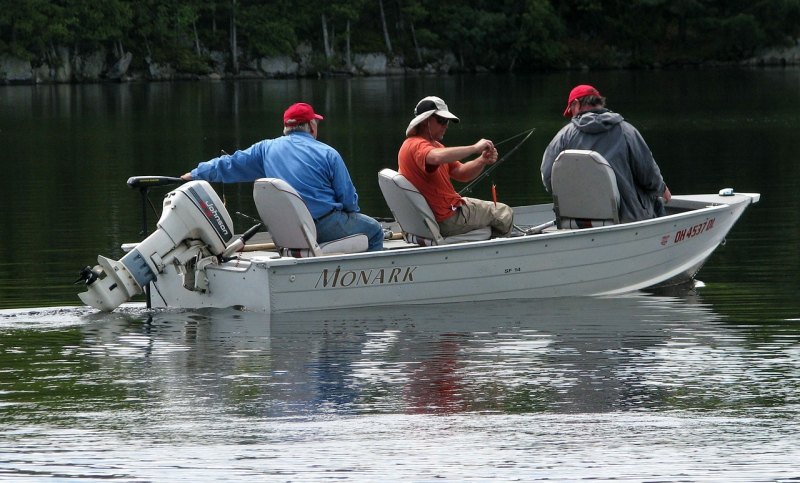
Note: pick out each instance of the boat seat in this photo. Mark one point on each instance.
(289, 222)
(585, 190)
(414, 216)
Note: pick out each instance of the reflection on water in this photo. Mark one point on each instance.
(642, 386)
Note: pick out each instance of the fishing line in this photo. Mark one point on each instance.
(224, 201)
(515, 136)
(491, 168)
(247, 216)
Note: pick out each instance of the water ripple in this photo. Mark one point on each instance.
(637, 387)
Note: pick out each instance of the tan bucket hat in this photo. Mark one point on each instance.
(427, 107)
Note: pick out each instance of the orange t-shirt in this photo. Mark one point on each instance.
(434, 185)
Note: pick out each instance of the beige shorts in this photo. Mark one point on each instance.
(475, 214)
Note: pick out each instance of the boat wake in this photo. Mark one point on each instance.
(60, 317)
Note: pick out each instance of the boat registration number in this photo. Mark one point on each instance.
(691, 231)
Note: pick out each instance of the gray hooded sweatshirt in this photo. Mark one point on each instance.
(638, 177)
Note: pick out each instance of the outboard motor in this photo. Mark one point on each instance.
(191, 212)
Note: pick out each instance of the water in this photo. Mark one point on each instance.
(639, 387)
(686, 386)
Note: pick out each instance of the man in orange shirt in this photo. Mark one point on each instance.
(429, 166)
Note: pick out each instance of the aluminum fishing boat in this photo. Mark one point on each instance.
(194, 260)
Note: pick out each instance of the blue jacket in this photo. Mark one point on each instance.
(638, 177)
(315, 170)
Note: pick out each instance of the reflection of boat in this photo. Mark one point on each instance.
(193, 260)
(585, 354)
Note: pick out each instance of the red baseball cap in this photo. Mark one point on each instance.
(577, 92)
(299, 113)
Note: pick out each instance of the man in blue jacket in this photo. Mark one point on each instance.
(315, 170)
(596, 128)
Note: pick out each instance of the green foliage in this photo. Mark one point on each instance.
(736, 37)
(265, 31)
(780, 20)
(20, 24)
(536, 44)
(496, 34)
(93, 23)
(189, 62)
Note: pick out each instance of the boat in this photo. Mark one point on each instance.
(194, 260)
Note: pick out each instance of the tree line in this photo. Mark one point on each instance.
(499, 35)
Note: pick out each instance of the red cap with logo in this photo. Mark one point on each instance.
(299, 113)
(577, 92)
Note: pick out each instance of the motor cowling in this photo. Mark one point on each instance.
(193, 211)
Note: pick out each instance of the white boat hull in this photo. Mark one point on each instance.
(562, 263)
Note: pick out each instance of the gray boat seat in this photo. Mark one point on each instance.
(414, 216)
(289, 222)
(585, 190)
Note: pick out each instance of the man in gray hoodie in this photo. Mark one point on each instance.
(596, 128)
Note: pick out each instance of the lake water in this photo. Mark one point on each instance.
(699, 384)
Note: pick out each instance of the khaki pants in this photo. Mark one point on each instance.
(474, 214)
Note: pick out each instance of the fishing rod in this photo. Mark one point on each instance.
(515, 136)
(491, 168)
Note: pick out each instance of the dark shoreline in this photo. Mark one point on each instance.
(93, 68)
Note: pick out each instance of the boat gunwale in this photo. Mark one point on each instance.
(707, 207)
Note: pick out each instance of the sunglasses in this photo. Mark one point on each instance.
(441, 120)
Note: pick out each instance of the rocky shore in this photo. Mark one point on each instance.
(777, 57)
(66, 66)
